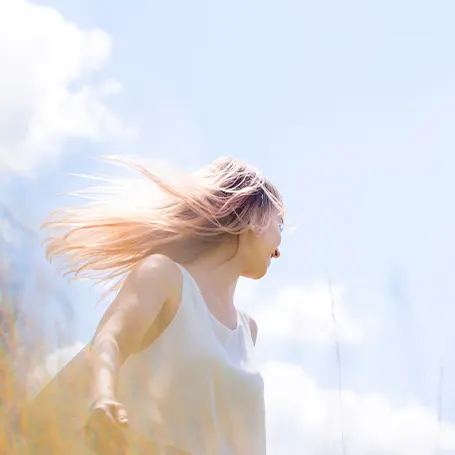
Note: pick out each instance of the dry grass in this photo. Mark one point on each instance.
(21, 340)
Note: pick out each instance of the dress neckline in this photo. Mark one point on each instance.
(212, 316)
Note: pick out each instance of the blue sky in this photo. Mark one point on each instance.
(347, 106)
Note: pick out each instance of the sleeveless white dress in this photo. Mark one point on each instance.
(198, 388)
(195, 388)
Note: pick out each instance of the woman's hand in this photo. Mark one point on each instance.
(103, 431)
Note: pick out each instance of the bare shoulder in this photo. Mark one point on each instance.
(152, 286)
(154, 282)
(156, 271)
(253, 327)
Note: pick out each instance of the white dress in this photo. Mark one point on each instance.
(195, 388)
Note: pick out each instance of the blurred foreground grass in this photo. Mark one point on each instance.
(25, 330)
(12, 389)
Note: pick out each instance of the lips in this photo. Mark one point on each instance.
(275, 254)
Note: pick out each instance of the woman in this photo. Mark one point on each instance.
(169, 369)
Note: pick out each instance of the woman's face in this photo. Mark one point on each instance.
(259, 248)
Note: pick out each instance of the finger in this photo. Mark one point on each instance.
(121, 416)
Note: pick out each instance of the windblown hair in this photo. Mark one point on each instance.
(124, 221)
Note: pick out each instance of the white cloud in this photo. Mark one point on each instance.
(53, 363)
(303, 418)
(305, 314)
(44, 94)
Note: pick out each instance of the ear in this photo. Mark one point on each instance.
(246, 238)
(255, 230)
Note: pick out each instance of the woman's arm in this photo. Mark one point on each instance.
(152, 285)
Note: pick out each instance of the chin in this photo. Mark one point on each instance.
(256, 274)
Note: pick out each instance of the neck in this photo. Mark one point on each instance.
(217, 274)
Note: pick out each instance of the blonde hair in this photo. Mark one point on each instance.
(124, 221)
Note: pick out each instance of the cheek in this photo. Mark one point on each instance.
(271, 238)
(257, 250)
(267, 243)
(260, 246)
